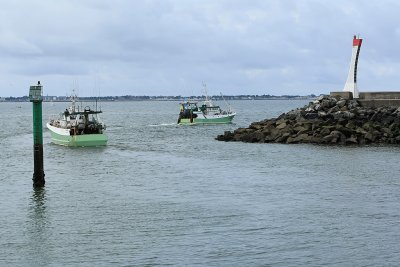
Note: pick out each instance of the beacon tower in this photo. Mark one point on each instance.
(351, 83)
(36, 97)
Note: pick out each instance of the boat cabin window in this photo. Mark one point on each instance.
(189, 105)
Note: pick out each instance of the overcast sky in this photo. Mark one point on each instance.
(169, 47)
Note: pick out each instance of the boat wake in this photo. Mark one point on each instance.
(162, 124)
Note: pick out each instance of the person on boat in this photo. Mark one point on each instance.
(186, 106)
(66, 112)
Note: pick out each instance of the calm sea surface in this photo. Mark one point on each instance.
(163, 194)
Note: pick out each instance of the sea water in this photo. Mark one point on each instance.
(165, 194)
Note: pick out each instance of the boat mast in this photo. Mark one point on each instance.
(73, 100)
(205, 91)
(207, 101)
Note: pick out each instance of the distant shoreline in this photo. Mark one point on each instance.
(160, 98)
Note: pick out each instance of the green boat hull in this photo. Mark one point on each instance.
(79, 140)
(223, 120)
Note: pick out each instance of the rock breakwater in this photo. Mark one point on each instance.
(327, 120)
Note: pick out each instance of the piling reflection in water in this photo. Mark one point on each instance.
(38, 231)
(39, 201)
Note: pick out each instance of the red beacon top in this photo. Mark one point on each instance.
(357, 41)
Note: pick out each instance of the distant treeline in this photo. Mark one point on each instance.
(159, 98)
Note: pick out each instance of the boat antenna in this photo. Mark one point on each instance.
(99, 99)
(205, 91)
(73, 99)
(96, 84)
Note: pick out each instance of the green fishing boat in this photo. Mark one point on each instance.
(205, 113)
(78, 126)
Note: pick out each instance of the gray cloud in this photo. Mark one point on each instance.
(170, 46)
